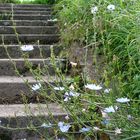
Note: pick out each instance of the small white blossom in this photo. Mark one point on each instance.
(71, 94)
(27, 47)
(44, 125)
(36, 87)
(104, 114)
(94, 10)
(73, 64)
(129, 117)
(107, 90)
(85, 129)
(67, 99)
(71, 87)
(67, 117)
(83, 110)
(53, 20)
(110, 109)
(59, 88)
(118, 131)
(96, 128)
(63, 127)
(74, 94)
(111, 7)
(93, 87)
(122, 100)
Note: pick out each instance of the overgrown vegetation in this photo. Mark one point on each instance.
(112, 28)
(8, 1)
(110, 106)
(37, 1)
(29, 1)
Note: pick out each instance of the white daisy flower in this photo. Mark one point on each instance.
(111, 7)
(67, 99)
(59, 88)
(27, 48)
(71, 87)
(83, 110)
(74, 94)
(110, 109)
(71, 94)
(94, 10)
(63, 127)
(96, 128)
(73, 64)
(67, 117)
(104, 114)
(93, 87)
(36, 87)
(118, 131)
(122, 100)
(85, 129)
(107, 90)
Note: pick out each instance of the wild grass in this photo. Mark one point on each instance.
(94, 108)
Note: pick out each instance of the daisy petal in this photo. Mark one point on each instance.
(122, 100)
(93, 87)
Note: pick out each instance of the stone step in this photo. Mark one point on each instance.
(39, 51)
(23, 66)
(26, 5)
(15, 89)
(25, 17)
(29, 38)
(18, 118)
(27, 8)
(28, 22)
(29, 29)
(21, 115)
(25, 12)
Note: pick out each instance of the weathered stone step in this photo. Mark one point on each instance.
(20, 115)
(27, 8)
(29, 29)
(28, 116)
(7, 66)
(25, 5)
(29, 38)
(25, 12)
(13, 88)
(28, 22)
(25, 17)
(39, 51)
(34, 110)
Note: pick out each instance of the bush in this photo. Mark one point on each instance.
(7, 1)
(39, 1)
(113, 28)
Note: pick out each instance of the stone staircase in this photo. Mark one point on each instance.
(22, 25)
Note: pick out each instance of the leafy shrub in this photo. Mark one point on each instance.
(113, 28)
(116, 32)
(7, 1)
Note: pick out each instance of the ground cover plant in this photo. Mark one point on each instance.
(7, 1)
(110, 106)
(36, 1)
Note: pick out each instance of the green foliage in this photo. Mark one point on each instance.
(115, 31)
(7, 1)
(39, 1)
(117, 34)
